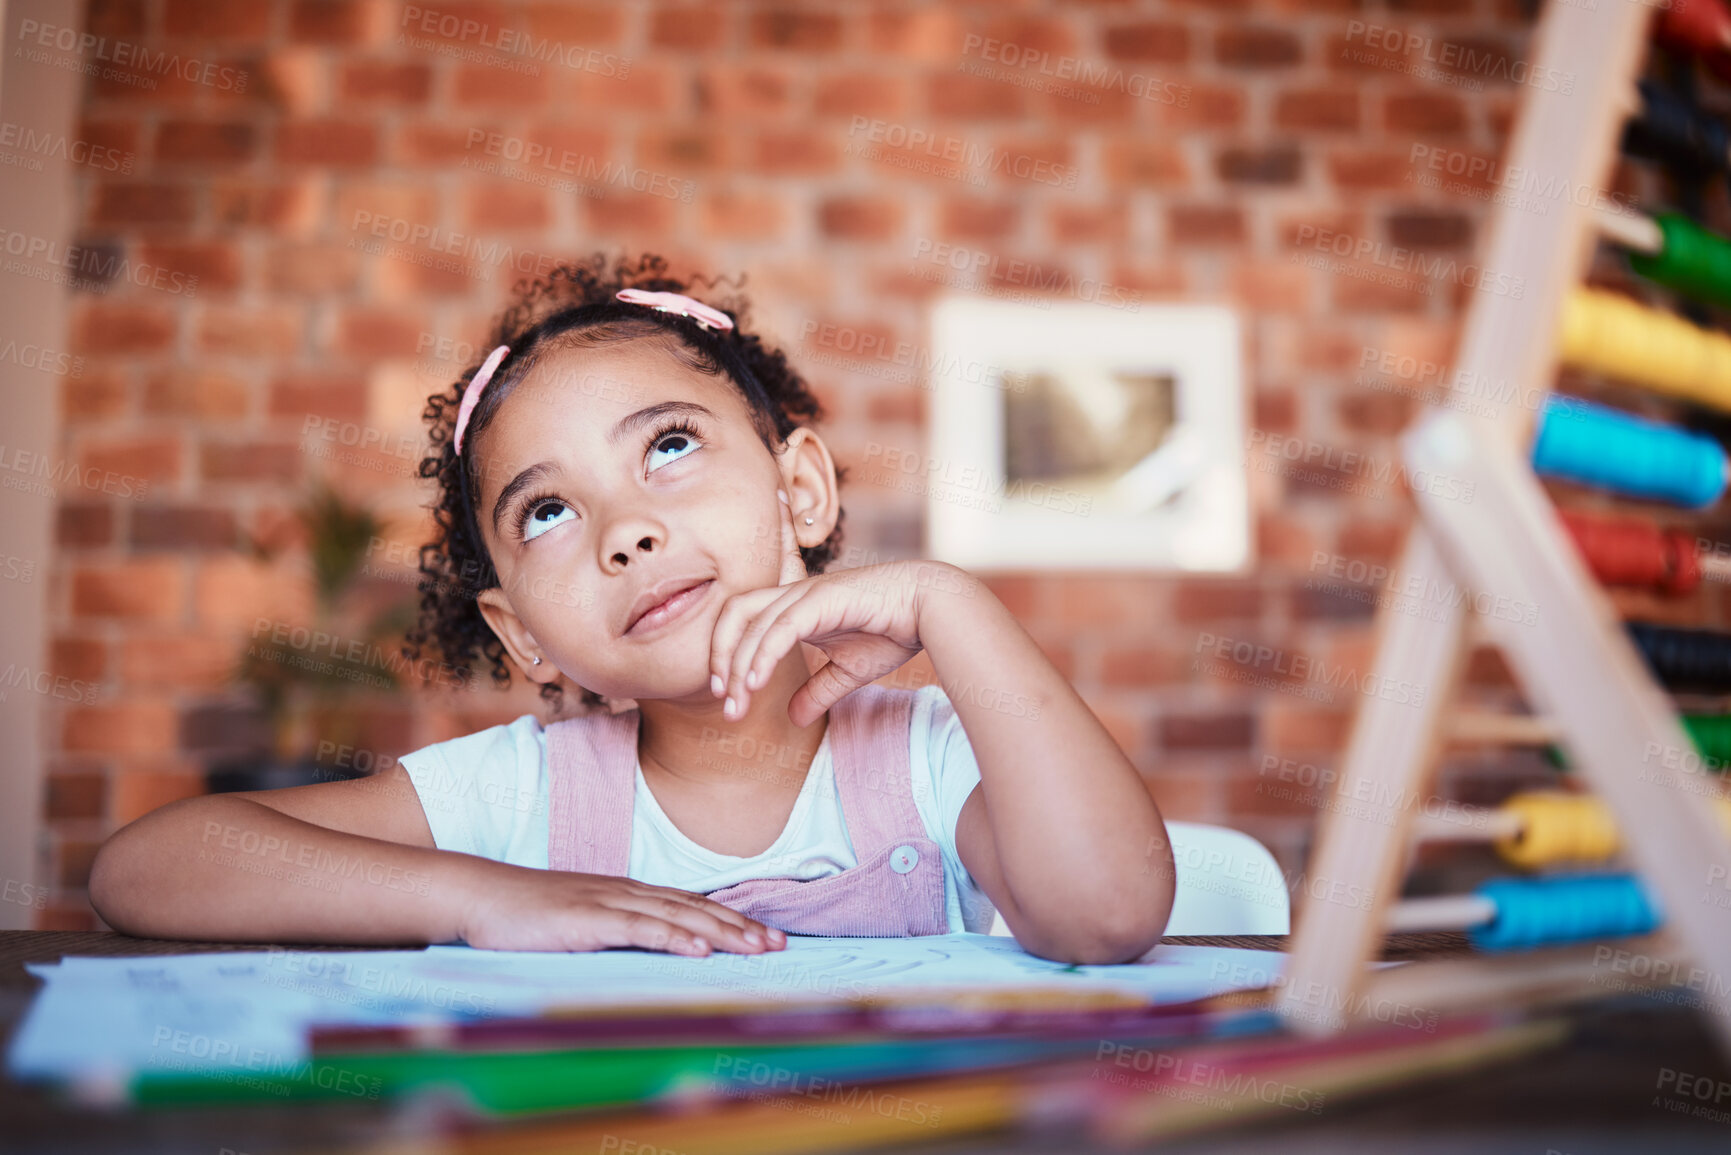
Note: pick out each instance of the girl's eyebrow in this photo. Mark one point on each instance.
(644, 416)
(518, 484)
(542, 469)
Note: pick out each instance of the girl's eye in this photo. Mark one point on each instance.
(679, 442)
(543, 516)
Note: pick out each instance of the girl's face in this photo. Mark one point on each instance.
(611, 471)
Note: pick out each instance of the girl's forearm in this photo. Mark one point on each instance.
(228, 869)
(1078, 839)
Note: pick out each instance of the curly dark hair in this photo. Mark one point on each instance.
(575, 305)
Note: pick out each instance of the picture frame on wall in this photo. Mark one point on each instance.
(1069, 435)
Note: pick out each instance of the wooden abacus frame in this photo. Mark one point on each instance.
(1576, 666)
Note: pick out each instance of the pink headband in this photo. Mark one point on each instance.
(676, 303)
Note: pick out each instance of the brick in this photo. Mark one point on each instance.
(72, 796)
(63, 917)
(646, 88)
(961, 97)
(397, 278)
(438, 145)
(94, 394)
(1139, 161)
(1269, 795)
(82, 659)
(1275, 411)
(339, 22)
(1216, 601)
(1074, 224)
(1333, 602)
(1089, 601)
(183, 528)
(83, 525)
(795, 152)
(265, 331)
(744, 91)
(385, 82)
(251, 461)
(205, 142)
(574, 25)
(684, 150)
(1256, 47)
(862, 94)
(338, 143)
(687, 26)
(502, 206)
(293, 82)
(217, 265)
(1130, 665)
(73, 859)
(133, 460)
(1318, 110)
(115, 18)
(1210, 225)
(233, 592)
(861, 218)
(374, 333)
(1369, 170)
(796, 30)
(1205, 731)
(1278, 164)
(974, 219)
(1372, 541)
(138, 792)
(1154, 41)
(292, 207)
(142, 590)
(188, 392)
(1424, 115)
(742, 216)
(114, 145)
(243, 20)
(117, 204)
(487, 84)
(1273, 287)
(927, 34)
(1204, 106)
(222, 728)
(342, 396)
(896, 406)
(1416, 229)
(313, 270)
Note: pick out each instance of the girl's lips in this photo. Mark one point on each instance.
(670, 609)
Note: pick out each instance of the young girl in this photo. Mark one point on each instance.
(633, 505)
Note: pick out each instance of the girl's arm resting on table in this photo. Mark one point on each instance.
(1061, 832)
(355, 862)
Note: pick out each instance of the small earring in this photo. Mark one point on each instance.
(537, 659)
(808, 521)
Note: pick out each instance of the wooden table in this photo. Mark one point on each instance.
(1597, 1094)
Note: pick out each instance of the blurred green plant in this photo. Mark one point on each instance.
(316, 670)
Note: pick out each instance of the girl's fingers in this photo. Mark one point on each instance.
(698, 923)
(709, 906)
(745, 651)
(640, 929)
(730, 626)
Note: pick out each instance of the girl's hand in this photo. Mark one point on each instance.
(514, 908)
(865, 620)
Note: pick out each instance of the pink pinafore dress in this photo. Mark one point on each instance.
(896, 890)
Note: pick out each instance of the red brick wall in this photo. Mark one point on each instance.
(288, 120)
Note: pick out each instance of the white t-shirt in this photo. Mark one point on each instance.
(486, 794)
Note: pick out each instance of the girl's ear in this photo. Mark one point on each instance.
(519, 643)
(808, 475)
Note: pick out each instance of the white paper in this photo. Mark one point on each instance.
(99, 1019)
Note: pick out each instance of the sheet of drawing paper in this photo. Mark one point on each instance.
(99, 1019)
